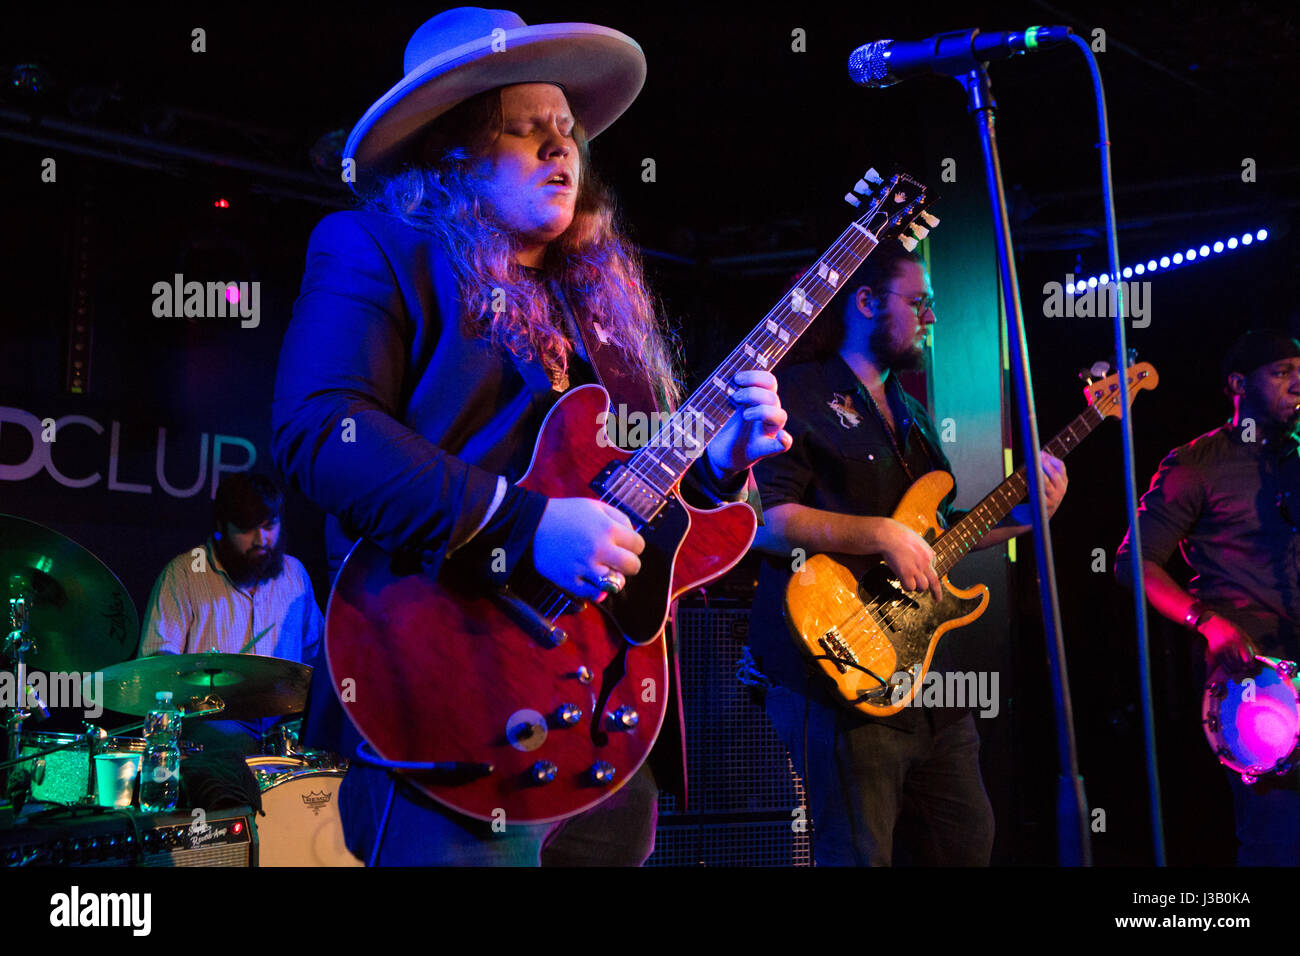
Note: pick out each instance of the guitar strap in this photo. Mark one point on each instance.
(626, 385)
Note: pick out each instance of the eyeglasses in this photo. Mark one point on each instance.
(920, 305)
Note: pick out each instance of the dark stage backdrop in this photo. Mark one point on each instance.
(169, 405)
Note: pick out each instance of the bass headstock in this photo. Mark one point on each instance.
(1105, 393)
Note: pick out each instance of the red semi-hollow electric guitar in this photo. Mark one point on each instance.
(528, 705)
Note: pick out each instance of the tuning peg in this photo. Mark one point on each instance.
(1099, 369)
(907, 242)
(861, 188)
(852, 200)
(1085, 376)
(930, 220)
(920, 231)
(872, 176)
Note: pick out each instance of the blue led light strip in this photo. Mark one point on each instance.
(1174, 261)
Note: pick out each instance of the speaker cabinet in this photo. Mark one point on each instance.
(747, 805)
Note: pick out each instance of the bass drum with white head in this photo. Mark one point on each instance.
(301, 826)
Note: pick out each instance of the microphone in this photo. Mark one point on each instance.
(886, 62)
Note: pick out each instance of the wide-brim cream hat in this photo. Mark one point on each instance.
(469, 50)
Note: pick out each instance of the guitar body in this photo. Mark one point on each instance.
(438, 670)
(854, 610)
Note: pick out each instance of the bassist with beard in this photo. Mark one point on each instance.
(905, 788)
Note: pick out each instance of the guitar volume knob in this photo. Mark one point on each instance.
(568, 714)
(601, 772)
(543, 771)
(625, 718)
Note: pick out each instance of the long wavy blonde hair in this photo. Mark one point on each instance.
(594, 265)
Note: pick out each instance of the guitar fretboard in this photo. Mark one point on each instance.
(682, 439)
(997, 504)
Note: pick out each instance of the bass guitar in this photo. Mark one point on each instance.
(872, 638)
(529, 705)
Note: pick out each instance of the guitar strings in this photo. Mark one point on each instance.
(556, 602)
(847, 242)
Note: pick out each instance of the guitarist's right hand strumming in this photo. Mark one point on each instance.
(908, 556)
(789, 526)
(580, 540)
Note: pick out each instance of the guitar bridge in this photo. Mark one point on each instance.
(837, 650)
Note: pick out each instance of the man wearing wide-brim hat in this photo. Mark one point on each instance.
(435, 329)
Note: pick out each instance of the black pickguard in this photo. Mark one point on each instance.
(908, 618)
(639, 610)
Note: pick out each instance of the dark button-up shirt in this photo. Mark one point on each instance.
(842, 460)
(1231, 505)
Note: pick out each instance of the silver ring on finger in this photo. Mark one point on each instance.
(611, 583)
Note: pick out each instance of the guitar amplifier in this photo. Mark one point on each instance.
(747, 802)
(85, 837)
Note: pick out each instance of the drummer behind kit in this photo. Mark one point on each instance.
(68, 612)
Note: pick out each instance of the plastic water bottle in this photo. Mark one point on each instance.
(160, 765)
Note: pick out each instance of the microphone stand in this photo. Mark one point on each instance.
(1074, 845)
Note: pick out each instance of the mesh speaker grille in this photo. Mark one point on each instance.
(746, 799)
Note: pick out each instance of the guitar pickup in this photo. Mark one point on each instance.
(631, 493)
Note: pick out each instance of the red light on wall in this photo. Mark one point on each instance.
(221, 204)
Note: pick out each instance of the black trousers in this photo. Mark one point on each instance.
(880, 795)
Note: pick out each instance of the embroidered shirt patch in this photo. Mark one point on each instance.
(842, 405)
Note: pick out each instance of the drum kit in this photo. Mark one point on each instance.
(68, 613)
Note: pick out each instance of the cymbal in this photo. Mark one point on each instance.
(80, 616)
(251, 685)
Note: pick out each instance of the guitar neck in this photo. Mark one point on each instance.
(683, 437)
(997, 504)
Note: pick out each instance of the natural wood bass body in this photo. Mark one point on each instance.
(827, 599)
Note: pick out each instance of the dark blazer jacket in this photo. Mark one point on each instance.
(395, 420)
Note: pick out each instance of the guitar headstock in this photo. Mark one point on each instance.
(1104, 394)
(895, 206)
